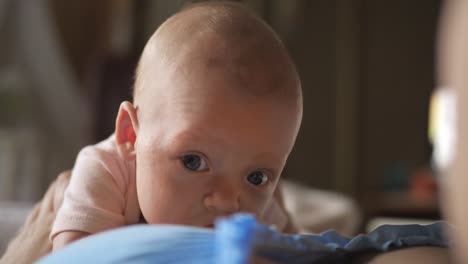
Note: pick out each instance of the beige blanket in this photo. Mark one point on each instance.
(32, 240)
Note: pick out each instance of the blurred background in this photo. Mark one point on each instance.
(367, 70)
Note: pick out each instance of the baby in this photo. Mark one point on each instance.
(216, 111)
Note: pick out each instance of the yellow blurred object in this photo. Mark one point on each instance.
(433, 107)
(442, 129)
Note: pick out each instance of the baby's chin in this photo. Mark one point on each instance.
(205, 225)
(210, 226)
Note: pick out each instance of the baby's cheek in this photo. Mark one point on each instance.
(275, 215)
(155, 207)
(145, 197)
(257, 203)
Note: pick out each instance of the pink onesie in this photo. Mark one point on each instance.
(101, 194)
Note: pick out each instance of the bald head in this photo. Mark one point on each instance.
(213, 83)
(222, 36)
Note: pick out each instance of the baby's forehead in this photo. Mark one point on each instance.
(252, 130)
(205, 63)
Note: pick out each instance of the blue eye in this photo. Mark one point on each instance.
(257, 178)
(194, 162)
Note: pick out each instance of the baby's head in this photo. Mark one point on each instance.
(217, 108)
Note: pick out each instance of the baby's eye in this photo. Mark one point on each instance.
(257, 178)
(194, 162)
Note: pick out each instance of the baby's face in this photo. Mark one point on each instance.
(209, 151)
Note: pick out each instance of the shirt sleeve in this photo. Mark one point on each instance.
(94, 201)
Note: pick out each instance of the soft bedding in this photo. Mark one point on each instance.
(234, 240)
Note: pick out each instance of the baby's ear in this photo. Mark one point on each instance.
(126, 129)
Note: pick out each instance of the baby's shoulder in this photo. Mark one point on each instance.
(104, 156)
(103, 150)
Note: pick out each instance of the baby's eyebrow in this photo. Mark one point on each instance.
(192, 138)
(203, 134)
(190, 135)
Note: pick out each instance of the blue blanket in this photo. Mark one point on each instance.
(234, 240)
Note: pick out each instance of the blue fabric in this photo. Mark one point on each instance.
(235, 234)
(333, 247)
(234, 240)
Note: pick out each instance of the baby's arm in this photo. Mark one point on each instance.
(94, 200)
(66, 237)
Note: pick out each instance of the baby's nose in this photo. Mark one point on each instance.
(224, 198)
